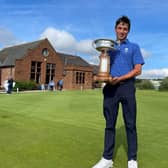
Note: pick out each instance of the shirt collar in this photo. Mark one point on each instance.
(125, 41)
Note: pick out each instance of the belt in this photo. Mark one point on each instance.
(127, 81)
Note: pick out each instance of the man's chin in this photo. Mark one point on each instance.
(122, 38)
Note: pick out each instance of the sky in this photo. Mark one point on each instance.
(71, 27)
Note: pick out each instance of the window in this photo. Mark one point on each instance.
(45, 52)
(50, 72)
(35, 71)
(80, 77)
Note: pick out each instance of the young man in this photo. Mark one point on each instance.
(126, 63)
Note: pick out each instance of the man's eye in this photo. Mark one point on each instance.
(125, 29)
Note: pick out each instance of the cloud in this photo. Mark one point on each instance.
(85, 46)
(154, 74)
(145, 53)
(65, 42)
(7, 38)
(60, 39)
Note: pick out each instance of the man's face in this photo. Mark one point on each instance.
(121, 31)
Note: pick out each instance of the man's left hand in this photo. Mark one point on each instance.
(116, 80)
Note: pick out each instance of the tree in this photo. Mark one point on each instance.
(164, 85)
(144, 84)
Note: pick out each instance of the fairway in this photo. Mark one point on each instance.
(66, 130)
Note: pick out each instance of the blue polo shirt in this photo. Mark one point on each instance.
(124, 58)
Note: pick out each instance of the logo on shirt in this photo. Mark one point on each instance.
(126, 50)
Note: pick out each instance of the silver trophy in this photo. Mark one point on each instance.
(104, 45)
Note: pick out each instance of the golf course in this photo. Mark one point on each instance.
(66, 130)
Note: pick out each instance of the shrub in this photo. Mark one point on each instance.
(164, 85)
(25, 85)
(144, 84)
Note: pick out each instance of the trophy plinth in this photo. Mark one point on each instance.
(104, 45)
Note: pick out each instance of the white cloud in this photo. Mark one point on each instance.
(7, 38)
(61, 40)
(145, 53)
(85, 47)
(154, 73)
(65, 42)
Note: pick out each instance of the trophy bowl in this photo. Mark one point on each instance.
(101, 44)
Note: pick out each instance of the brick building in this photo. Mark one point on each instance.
(38, 61)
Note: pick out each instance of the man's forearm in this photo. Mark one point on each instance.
(135, 72)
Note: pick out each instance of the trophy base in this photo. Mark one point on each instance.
(102, 78)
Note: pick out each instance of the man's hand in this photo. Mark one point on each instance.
(116, 80)
(136, 71)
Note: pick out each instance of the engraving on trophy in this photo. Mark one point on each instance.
(104, 45)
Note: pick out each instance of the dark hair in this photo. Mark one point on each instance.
(123, 19)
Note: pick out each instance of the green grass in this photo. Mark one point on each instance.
(66, 129)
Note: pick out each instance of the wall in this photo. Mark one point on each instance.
(5, 73)
(71, 76)
(23, 66)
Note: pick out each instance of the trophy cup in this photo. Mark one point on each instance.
(103, 45)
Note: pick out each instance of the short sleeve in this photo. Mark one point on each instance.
(137, 56)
